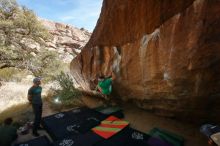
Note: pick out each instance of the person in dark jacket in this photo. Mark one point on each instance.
(8, 133)
(34, 97)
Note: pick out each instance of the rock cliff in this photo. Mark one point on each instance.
(165, 54)
(66, 40)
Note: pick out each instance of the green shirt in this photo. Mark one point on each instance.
(35, 93)
(7, 135)
(106, 86)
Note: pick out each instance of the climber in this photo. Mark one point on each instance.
(8, 133)
(34, 97)
(105, 85)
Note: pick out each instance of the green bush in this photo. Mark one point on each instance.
(67, 94)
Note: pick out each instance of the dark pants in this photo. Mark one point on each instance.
(37, 108)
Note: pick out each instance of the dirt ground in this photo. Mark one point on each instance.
(143, 121)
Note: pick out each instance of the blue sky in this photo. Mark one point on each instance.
(79, 13)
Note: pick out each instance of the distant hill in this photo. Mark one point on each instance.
(67, 40)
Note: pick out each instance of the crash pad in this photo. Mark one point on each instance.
(111, 110)
(72, 122)
(109, 127)
(40, 141)
(87, 139)
(167, 136)
(131, 137)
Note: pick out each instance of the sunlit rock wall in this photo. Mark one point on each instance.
(165, 54)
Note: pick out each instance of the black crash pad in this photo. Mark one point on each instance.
(40, 141)
(73, 122)
(111, 110)
(84, 113)
(132, 137)
(87, 139)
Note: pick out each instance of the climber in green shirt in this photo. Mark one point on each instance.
(105, 85)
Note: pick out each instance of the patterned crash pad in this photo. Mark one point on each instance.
(109, 127)
(111, 110)
(126, 137)
(132, 137)
(167, 136)
(40, 141)
(87, 139)
(72, 122)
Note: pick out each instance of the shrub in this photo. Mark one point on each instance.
(20, 27)
(67, 94)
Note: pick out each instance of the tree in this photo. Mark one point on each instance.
(20, 29)
(19, 22)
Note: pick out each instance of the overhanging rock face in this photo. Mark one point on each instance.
(165, 54)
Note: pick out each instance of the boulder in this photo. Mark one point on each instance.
(165, 54)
